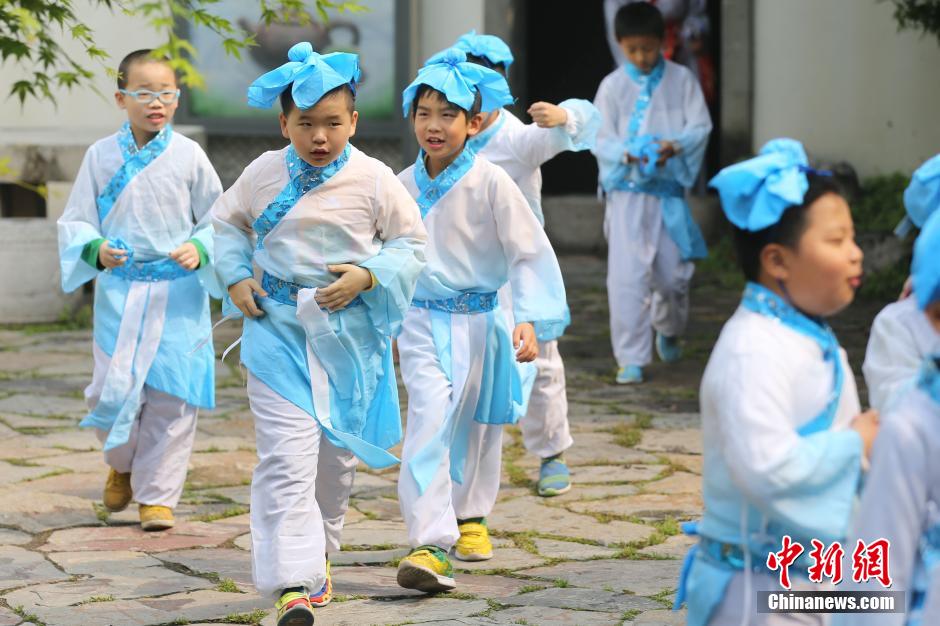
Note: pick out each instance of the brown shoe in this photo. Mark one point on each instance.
(156, 517)
(117, 491)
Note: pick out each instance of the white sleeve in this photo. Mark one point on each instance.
(892, 359)
(79, 225)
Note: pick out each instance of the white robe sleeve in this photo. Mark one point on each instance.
(233, 237)
(204, 190)
(79, 225)
(807, 484)
(610, 147)
(397, 266)
(693, 138)
(893, 507)
(534, 145)
(892, 359)
(538, 291)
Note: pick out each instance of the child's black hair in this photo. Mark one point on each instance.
(637, 19)
(485, 62)
(288, 104)
(475, 108)
(787, 232)
(138, 56)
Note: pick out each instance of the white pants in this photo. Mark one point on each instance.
(161, 440)
(545, 430)
(432, 517)
(739, 606)
(299, 494)
(647, 280)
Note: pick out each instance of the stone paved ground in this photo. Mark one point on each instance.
(608, 552)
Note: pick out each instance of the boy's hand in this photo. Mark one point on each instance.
(866, 424)
(341, 292)
(547, 115)
(907, 289)
(667, 150)
(243, 293)
(111, 257)
(524, 335)
(187, 256)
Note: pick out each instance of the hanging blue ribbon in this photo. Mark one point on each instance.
(648, 84)
(922, 196)
(430, 190)
(755, 193)
(759, 299)
(135, 160)
(925, 269)
(310, 75)
(450, 73)
(303, 179)
(489, 47)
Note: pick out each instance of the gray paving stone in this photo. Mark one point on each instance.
(682, 440)
(206, 604)
(36, 511)
(15, 473)
(367, 612)
(375, 533)
(183, 535)
(381, 582)
(503, 558)
(662, 617)
(643, 578)
(583, 599)
(10, 537)
(20, 567)
(367, 557)
(528, 513)
(569, 550)
(614, 473)
(675, 547)
(548, 616)
(27, 404)
(221, 469)
(678, 483)
(650, 506)
(9, 618)
(225, 562)
(243, 542)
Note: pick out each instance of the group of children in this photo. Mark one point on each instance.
(329, 256)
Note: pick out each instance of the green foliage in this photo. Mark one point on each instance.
(33, 32)
(880, 205)
(922, 15)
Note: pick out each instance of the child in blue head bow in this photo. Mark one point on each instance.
(649, 152)
(901, 335)
(137, 222)
(456, 350)
(337, 242)
(521, 149)
(784, 440)
(901, 500)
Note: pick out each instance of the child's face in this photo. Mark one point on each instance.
(823, 271)
(642, 51)
(320, 133)
(442, 128)
(151, 76)
(933, 314)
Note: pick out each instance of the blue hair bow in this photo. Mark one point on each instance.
(925, 270)
(310, 74)
(450, 73)
(755, 193)
(922, 196)
(489, 47)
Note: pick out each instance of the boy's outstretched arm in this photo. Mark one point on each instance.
(569, 126)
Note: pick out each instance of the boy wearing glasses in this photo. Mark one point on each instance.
(137, 220)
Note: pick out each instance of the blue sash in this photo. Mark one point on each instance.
(479, 141)
(303, 178)
(430, 190)
(467, 303)
(285, 292)
(134, 162)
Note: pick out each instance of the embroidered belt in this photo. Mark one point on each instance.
(467, 303)
(151, 272)
(285, 292)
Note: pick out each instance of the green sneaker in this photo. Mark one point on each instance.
(293, 609)
(426, 569)
(554, 477)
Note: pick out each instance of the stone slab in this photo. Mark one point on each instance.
(184, 535)
(680, 440)
(549, 616)
(38, 511)
(20, 567)
(650, 506)
(225, 562)
(640, 577)
(375, 533)
(569, 550)
(583, 599)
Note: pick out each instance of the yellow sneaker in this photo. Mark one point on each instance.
(474, 543)
(426, 569)
(117, 491)
(156, 517)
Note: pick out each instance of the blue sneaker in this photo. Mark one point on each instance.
(630, 375)
(554, 477)
(668, 348)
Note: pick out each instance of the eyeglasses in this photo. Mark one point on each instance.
(145, 96)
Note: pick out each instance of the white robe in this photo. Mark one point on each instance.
(163, 206)
(481, 233)
(520, 149)
(647, 278)
(763, 381)
(361, 215)
(901, 336)
(900, 501)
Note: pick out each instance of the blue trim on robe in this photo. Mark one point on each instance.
(479, 141)
(430, 190)
(135, 160)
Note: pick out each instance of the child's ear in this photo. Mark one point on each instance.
(119, 99)
(283, 120)
(355, 120)
(774, 260)
(474, 124)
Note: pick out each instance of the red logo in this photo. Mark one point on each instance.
(782, 560)
(826, 563)
(871, 561)
(868, 561)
